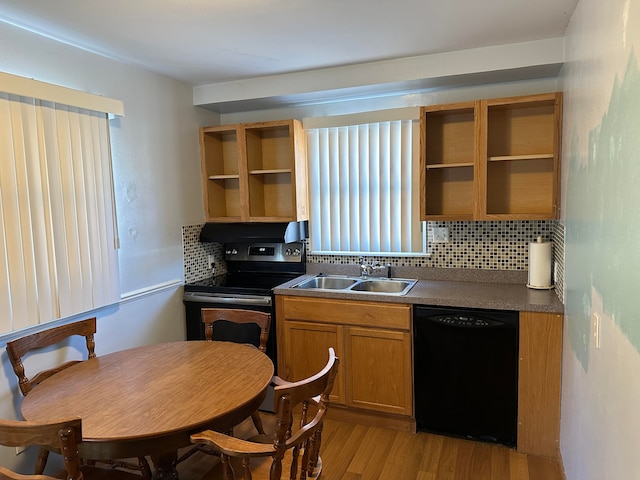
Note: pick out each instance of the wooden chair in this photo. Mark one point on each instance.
(18, 348)
(238, 316)
(312, 395)
(261, 321)
(65, 435)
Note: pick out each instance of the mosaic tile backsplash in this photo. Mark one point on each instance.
(494, 245)
(196, 255)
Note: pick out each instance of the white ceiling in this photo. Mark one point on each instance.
(221, 41)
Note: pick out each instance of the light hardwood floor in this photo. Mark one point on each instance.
(358, 452)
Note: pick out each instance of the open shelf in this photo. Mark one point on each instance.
(272, 171)
(520, 187)
(270, 195)
(223, 198)
(223, 177)
(506, 158)
(449, 165)
(449, 192)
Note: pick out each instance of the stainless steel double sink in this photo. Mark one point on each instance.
(340, 283)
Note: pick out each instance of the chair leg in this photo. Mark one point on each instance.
(227, 469)
(257, 422)
(143, 465)
(246, 468)
(41, 462)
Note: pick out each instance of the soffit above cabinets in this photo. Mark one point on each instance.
(479, 66)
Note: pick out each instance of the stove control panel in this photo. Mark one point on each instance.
(264, 252)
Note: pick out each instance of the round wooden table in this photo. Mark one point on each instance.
(148, 400)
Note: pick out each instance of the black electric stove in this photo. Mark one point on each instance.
(253, 270)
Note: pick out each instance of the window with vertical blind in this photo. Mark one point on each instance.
(364, 189)
(58, 252)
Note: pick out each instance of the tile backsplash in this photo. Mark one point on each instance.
(492, 245)
(196, 255)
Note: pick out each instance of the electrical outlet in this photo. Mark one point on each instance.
(596, 330)
(440, 234)
(19, 450)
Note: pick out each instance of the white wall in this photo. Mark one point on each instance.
(600, 431)
(157, 181)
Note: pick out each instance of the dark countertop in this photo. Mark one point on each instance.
(470, 288)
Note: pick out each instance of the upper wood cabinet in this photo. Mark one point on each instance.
(254, 172)
(492, 159)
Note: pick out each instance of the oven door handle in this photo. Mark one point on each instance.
(221, 298)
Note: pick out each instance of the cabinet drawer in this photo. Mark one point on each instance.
(346, 312)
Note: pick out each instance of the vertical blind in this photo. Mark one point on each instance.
(58, 253)
(363, 189)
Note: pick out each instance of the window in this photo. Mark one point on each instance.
(364, 189)
(58, 254)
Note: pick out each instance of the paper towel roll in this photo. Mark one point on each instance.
(540, 259)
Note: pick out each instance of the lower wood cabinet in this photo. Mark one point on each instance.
(372, 340)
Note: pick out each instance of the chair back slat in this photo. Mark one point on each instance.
(62, 434)
(15, 433)
(18, 348)
(239, 316)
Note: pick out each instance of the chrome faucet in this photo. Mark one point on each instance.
(366, 269)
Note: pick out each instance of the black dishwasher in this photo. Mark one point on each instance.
(466, 372)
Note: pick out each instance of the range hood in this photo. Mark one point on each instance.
(284, 232)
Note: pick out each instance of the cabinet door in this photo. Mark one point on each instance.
(379, 370)
(306, 347)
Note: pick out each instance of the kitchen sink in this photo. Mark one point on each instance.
(327, 283)
(384, 286)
